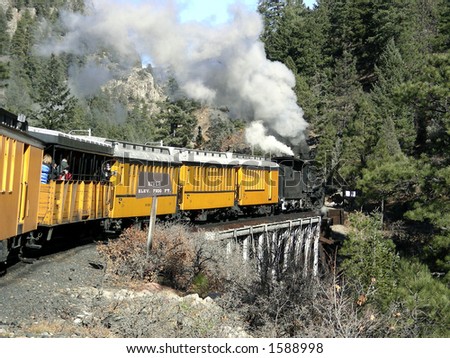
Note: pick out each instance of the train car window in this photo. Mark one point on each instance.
(82, 166)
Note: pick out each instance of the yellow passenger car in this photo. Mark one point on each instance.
(207, 180)
(20, 168)
(129, 161)
(87, 195)
(257, 182)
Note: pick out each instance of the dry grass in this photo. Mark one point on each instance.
(179, 258)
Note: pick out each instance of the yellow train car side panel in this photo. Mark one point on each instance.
(32, 161)
(126, 207)
(103, 201)
(47, 202)
(63, 202)
(97, 199)
(257, 186)
(206, 187)
(200, 201)
(20, 166)
(87, 200)
(125, 204)
(10, 186)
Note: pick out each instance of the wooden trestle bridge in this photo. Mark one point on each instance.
(277, 247)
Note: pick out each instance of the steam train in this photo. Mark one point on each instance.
(102, 192)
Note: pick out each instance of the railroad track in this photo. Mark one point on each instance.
(252, 221)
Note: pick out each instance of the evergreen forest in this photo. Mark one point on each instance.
(373, 79)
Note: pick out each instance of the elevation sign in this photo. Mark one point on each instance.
(153, 184)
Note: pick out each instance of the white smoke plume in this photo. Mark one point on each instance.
(86, 80)
(256, 135)
(224, 65)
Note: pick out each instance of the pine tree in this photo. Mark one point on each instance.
(339, 151)
(389, 173)
(220, 129)
(22, 39)
(363, 28)
(424, 302)
(177, 122)
(18, 98)
(102, 115)
(443, 39)
(139, 126)
(296, 33)
(391, 73)
(4, 36)
(22, 68)
(383, 281)
(272, 12)
(428, 95)
(370, 261)
(56, 104)
(4, 48)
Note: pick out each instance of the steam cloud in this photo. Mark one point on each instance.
(224, 65)
(256, 135)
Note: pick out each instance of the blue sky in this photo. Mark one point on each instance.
(215, 11)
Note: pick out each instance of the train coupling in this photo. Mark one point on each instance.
(33, 245)
(32, 242)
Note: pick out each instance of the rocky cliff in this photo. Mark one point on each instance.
(138, 87)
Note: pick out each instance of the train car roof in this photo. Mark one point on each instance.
(69, 141)
(248, 160)
(143, 152)
(11, 120)
(12, 127)
(221, 158)
(165, 154)
(21, 136)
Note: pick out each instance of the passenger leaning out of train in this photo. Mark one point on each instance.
(65, 175)
(106, 172)
(54, 172)
(62, 166)
(46, 168)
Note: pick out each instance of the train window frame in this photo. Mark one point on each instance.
(84, 166)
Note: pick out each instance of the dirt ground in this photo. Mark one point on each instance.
(31, 294)
(67, 294)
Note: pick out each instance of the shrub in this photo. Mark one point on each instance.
(179, 258)
(126, 256)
